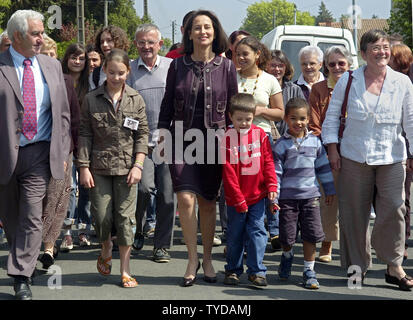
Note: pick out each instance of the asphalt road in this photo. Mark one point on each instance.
(75, 278)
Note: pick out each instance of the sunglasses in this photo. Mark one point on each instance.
(340, 63)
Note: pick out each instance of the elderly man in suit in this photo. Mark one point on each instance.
(34, 141)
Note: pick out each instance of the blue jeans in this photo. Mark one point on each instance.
(150, 214)
(83, 208)
(72, 200)
(81, 212)
(240, 226)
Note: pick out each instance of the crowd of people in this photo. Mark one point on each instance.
(83, 139)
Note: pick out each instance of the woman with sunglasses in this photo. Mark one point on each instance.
(337, 61)
(372, 154)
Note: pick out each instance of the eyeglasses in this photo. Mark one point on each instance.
(340, 63)
(376, 49)
(142, 43)
(275, 65)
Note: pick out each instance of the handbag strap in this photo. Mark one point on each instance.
(344, 106)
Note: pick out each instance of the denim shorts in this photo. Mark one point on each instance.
(306, 212)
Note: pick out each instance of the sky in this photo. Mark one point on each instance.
(231, 13)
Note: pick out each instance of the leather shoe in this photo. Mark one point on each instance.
(47, 260)
(187, 282)
(402, 283)
(22, 289)
(209, 279)
(138, 242)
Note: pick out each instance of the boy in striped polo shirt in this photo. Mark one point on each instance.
(300, 159)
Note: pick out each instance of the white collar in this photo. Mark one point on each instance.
(301, 80)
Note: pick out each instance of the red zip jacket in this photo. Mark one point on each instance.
(248, 172)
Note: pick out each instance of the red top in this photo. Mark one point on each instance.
(176, 53)
(248, 172)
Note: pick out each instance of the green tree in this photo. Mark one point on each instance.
(167, 43)
(259, 19)
(324, 15)
(400, 20)
(4, 7)
(120, 13)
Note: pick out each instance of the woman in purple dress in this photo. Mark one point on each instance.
(199, 87)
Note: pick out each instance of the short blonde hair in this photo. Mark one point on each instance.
(49, 43)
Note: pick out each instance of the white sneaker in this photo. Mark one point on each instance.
(68, 222)
(372, 214)
(67, 244)
(81, 226)
(217, 241)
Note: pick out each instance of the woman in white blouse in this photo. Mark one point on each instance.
(373, 152)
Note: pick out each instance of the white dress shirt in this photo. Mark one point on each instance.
(372, 134)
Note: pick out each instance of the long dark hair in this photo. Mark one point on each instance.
(82, 86)
(220, 43)
(232, 37)
(256, 45)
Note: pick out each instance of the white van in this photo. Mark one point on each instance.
(291, 38)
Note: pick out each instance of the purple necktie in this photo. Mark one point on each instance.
(29, 100)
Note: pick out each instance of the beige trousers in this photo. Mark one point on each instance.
(355, 190)
(113, 202)
(329, 214)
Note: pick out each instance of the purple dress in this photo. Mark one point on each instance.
(200, 178)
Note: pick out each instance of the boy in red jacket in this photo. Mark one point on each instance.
(248, 176)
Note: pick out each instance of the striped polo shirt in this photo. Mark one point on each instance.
(298, 164)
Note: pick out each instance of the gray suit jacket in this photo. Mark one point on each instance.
(11, 115)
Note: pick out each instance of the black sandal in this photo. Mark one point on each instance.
(402, 283)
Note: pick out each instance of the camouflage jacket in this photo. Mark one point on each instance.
(106, 144)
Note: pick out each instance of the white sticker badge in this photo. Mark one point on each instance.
(131, 123)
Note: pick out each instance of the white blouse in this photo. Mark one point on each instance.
(372, 135)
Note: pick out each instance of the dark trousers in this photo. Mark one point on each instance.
(21, 204)
(156, 179)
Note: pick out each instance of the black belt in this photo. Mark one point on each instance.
(34, 143)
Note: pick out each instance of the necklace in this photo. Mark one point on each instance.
(243, 81)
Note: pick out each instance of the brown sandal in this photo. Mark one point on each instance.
(128, 282)
(103, 266)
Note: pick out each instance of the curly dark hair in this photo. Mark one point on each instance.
(119, 36)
